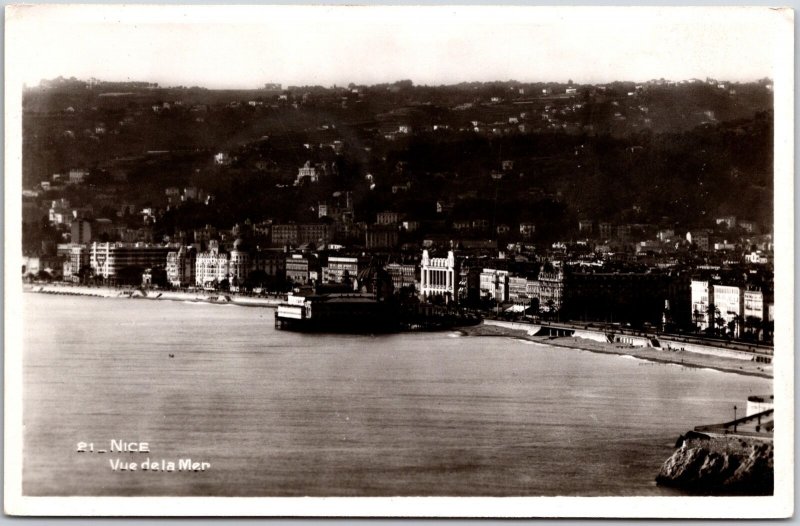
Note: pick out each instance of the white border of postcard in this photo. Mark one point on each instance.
(22, 23)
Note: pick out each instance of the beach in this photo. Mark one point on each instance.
(684, 358)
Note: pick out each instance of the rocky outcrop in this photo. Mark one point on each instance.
(728, 465)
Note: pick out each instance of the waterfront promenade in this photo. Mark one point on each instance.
(719, 361)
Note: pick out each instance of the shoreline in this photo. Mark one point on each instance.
(213, 298)
(683, 358)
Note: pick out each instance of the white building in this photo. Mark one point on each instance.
(494, 284)
(238, 263)
(439, 277)
(702, 297)
(755, 310)
(307, 171)
(211, 267)
(729, 301)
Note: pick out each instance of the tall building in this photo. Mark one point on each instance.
(181, 267)
(81, 230)
(518, 291)
(702, 298)
(439, 277)
(548, 289)
(211, 266)
(109, 259)
(238, 263)
(756, 311)
(729, 301)
(301, 269)
(494, 284)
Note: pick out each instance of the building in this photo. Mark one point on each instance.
(181, 267)
(238, 263)
(103, 229)
(755, 312)
(638, 298)
(518, 291)
(78, 176)
(700, 239)
(121, 261)
(402, 275)
(388, 218)
(585, 226)
(623, 232)
(317, 233)
(77, 261)
(548, 289)
(211, 266)
(285, 234)
(270, 262)
(381, 236)
(81, 231)
(606, 230)
(527, 230)
(307, 173)
(439, 277)
(410, 226)
(222, 159)
(340, 269)
(729, 303)
(747, 226)
(301, 269)
(702, 299)
(494, 284)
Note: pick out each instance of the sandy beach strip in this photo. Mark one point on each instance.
(652, 354)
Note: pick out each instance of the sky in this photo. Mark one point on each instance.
(245, 47)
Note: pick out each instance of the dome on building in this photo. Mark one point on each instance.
(239, 244)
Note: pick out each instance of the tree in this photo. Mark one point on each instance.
(697, 318)
(735, 326)
(713, 315)
(754, 326)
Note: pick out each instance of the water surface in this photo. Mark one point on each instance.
(282, 414)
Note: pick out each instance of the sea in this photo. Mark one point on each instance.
(242, 409)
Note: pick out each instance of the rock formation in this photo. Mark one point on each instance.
(724, 465)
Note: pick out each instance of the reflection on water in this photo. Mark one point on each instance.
(280, 413)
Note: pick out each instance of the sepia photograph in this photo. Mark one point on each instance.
(398, 261)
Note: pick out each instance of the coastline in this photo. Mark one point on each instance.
(656, 356)
(216, 298)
